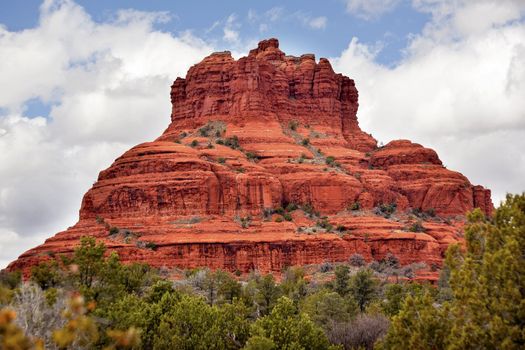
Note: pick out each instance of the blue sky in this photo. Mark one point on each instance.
(83, 81)
(392, 29)
(289, 21)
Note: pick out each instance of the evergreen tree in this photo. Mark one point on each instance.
(194, 324)
(294, 284)
(266, 294)
(88, 257)
(342, 277)
(46, 274)
(487, 305)
(326, 307)
(363, 288)
(394, 296)
(488, 281)
(418, 326)
(228, 289)
(287, 328)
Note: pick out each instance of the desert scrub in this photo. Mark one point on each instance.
(251, 156)
(385, 210)
(245, 221)
(417, 227)
(357, 260)
(205, 130)
(291, 207)
(325, 224)
(232, 142)
(151, 245)
(354, 206)
(325, 267)
(114, 230)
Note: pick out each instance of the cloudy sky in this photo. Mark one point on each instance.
(81, 82)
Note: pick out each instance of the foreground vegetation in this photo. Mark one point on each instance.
(92, 301)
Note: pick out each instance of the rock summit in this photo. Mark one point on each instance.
(264, 166)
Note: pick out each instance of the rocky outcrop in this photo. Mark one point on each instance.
(250, 137)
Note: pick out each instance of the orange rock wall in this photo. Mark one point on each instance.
(254, 134)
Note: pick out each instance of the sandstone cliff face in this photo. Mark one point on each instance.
(248, 137)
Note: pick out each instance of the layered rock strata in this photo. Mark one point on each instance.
(249, 138)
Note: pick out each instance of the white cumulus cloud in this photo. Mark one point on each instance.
(231, 34)
(370, 9)
(108, 85)
(318, 22)
(458, 88)
(460, 92)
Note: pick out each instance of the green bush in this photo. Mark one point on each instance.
(431, 212)
(267, 213)
(391, 261)
(330, 160)
(417, 227)
(355, 206)
(46, 274)
(342, 279)
(357, 260)
(287, 328)
(279, 210)
(10, 279)
(251, 156)
(309, 210)
(326, 307)
(291, 207)
(245, 221)
(232, 142)
(324, 223)
(326, 266)
(151, 245)
(364, 288)
(386, 210)
(204, 131)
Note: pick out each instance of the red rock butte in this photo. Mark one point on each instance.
(249, 138)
